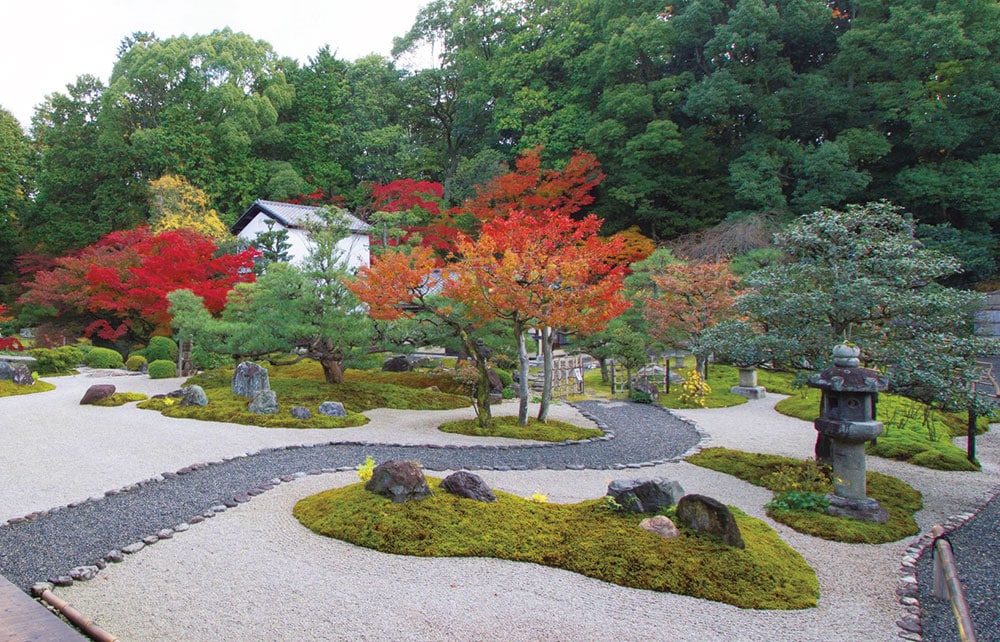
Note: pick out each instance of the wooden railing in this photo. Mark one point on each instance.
(947, 585)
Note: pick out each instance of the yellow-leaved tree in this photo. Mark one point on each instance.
(176, 204)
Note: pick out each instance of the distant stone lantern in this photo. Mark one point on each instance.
(846, 423)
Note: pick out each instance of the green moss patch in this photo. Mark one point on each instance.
(310, 391)
(551, 430)
(120, 399)
(585, 538)
(905, 435)
(771, 471)
(11, 389)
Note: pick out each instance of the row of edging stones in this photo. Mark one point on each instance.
(90, 571)
(907, 588)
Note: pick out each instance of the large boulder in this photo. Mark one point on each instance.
(265, 402)
(400, 481)
(707, 515)
(194, 396)
(6, 371)
(468, 485)
(399, 363)
(332, 409)
(249, 379)
(645, 495)
(96, 393)
(22, 376)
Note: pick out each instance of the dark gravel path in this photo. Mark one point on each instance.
(976, 545)
(50, 544)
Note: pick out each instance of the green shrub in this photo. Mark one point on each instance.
(135, 362)
(205, 359)
(56, 360)
(162, 369)
(507, 393)
(505, 377)
(640, 396)
(103, 358)
(161, 348)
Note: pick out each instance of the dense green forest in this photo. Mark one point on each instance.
(699, 111)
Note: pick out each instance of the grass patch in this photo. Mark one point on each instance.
(552, 430)
(585, 538)
(303, 385)
(11, 389)
(771, 471)
(120, 399)
(904, 436)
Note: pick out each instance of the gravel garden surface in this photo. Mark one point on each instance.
(252, 571)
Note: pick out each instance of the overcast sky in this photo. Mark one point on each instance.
(46, 44)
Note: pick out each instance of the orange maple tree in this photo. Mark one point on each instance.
(545, 270)
(689, 299)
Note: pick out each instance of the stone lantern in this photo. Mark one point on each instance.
(846, 423)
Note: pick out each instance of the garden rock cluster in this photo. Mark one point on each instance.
(249, 379)
(20, 374)
(400, 481)
(468, 485)
(97, 392)
(707, 515)
(644, 495)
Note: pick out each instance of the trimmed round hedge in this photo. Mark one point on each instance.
(162, 369)
(103, 358)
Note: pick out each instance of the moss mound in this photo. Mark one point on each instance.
(303, 385)
(120, 399)
(585, 538)
(897, 497)
(905, 435)
(509, 427)
(11, 389)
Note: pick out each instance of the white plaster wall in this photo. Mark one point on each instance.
(354, 248)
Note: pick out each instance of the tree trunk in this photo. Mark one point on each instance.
(603, 361)
(543, 409)
(522, 383)
(484, 415)
(333, 369)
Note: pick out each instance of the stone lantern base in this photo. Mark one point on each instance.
(750, 392)
(867, 509)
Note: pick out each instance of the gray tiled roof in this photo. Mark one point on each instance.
(290, 215)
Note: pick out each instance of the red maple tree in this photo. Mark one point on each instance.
(534, 190)
(120, 283)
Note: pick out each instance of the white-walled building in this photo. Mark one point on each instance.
(295, 220)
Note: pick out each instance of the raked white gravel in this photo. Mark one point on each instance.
(254, 573)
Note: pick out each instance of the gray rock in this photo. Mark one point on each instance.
(468, 485)
(332, 409)
(399, 363)
(61, 580)
(400, 481)
(6, 371)
(84, 573)
(114, 557)
(265, 402)
(97, 392)
(249, 379)
(194, 396)
(301, 412)
(707, 515)
(133, 548)
(22, 376)
(661, 525)
(645, 495)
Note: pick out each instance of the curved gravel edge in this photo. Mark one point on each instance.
(87, 571)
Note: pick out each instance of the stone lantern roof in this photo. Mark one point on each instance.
(847, 375)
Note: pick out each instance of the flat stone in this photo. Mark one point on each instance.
(150, 540)
(133, 548)
(61, 580)
(84, 573)
(114, 556)
(165, 533)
